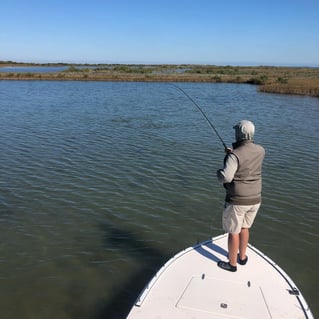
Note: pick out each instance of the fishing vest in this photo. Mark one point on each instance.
(245, 188)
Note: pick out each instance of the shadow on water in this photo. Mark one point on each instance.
(150, 260)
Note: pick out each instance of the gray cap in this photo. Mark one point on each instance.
(244, 130)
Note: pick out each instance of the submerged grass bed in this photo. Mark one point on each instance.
(286, 80)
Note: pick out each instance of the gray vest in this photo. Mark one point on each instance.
(245, 188)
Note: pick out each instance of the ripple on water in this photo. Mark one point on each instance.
(102, 182)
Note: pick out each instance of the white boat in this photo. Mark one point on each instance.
(191, 285)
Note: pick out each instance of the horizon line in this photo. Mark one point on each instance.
(233, 64)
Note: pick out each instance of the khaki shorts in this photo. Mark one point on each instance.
(236, 217)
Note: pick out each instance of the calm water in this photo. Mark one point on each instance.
(100, 183)
(39, 69)
(33, 69)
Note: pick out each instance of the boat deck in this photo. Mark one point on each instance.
(191, 285)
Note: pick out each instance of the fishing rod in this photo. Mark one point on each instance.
(201, 111)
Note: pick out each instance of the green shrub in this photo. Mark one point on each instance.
(258, 80)
(72, 68)
(282, 80)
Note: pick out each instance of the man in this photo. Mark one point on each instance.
(241, 177)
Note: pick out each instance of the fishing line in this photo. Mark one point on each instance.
(204, 115)
(212, 127)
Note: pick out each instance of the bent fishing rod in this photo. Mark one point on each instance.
(204, 115)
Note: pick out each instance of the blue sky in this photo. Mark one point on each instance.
(221, 32)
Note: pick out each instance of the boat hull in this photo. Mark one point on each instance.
(190, 285)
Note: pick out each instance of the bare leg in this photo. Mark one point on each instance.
(233, 247)
(243, 242)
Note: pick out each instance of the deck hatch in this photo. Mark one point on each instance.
(236, 295)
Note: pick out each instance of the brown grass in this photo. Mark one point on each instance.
(299, 86)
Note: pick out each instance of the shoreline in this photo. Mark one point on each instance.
(283, 80)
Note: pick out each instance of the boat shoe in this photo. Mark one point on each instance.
(226, 266)
(242, 261)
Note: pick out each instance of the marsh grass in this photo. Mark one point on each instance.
(299, 86)
(286, 80)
